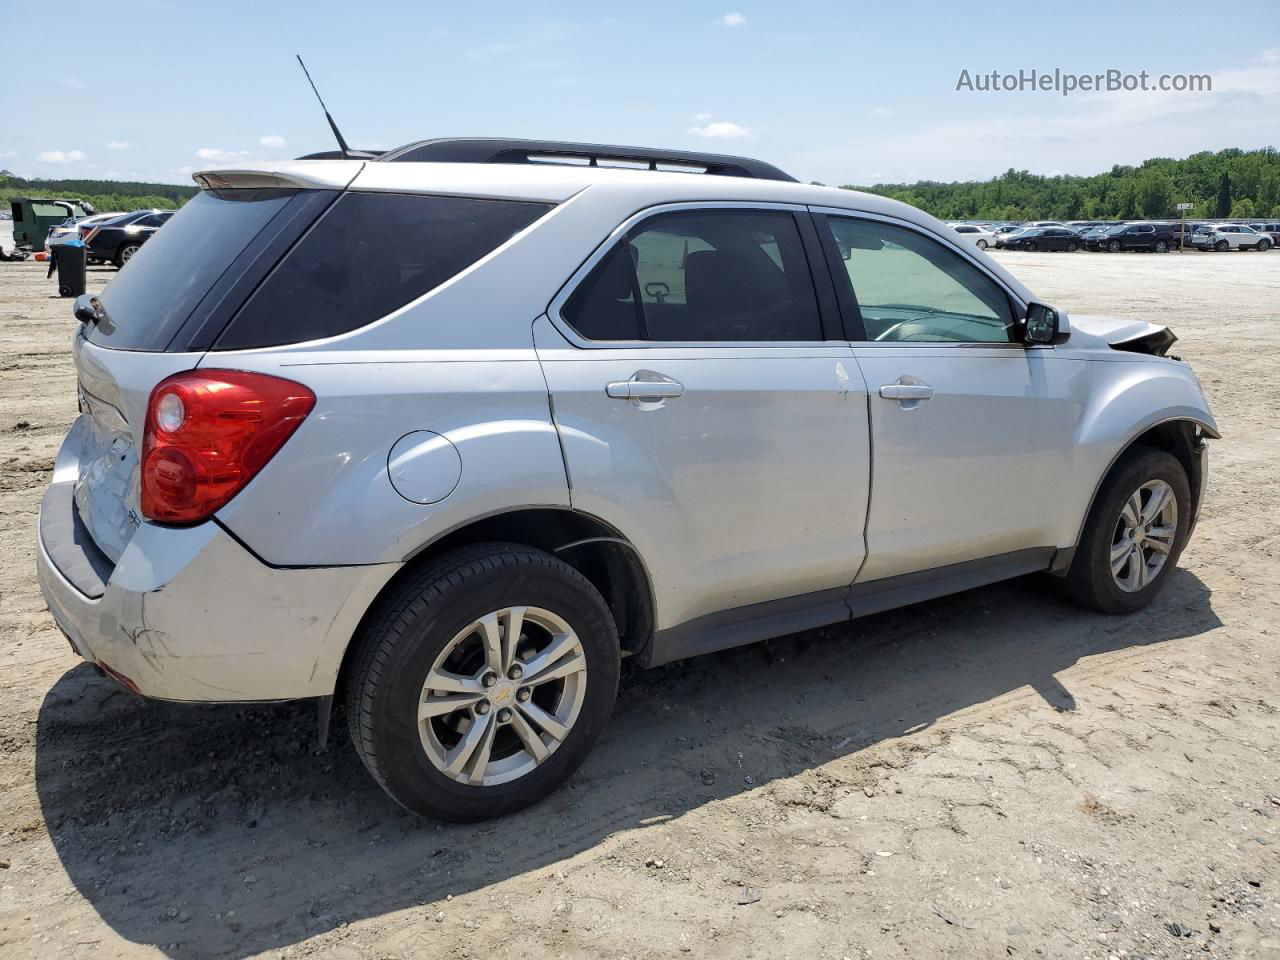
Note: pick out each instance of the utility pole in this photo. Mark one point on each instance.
(1182, 225)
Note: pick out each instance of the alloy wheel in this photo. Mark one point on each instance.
(502, 696)
(1144, 535)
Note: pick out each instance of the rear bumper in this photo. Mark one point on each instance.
(190, 614)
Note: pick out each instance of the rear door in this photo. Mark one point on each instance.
(707, 412)
(966, 423)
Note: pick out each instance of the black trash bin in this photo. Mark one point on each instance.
(69, 260)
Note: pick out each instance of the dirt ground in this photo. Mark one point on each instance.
(993, 774)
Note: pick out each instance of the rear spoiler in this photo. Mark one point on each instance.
(314, 175)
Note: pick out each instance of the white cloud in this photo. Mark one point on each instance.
(879, 113)
(721, 130)
(221, 156)
(62, 156)
(734, 19)
(118, 145)
(273, 141)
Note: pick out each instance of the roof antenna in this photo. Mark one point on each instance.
(342, 144)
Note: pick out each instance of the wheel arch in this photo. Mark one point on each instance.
(1183, 435)
(594, 548)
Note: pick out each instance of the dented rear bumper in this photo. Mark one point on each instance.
(190, 614)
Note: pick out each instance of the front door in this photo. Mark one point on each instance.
(971, 432)
(707, 413)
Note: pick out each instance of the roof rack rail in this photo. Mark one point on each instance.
(501, 150)
(338, 155)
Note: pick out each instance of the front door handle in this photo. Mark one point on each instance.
(908, 391)
(645, 385)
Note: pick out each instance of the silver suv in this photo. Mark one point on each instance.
(449, 432)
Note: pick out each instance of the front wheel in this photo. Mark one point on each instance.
(982, 244)
(1032, 247)
(1134, 534)
(482, 682)
(1114, 246)
(1222, 246)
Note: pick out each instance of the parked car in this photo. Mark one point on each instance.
(1044, 238)
(1229, 236)
(82, 226)
(1270, 228)
(980, 237)
(1092, 238)
(1006, 233)
(1157, 237)
(1046, 223)
(325, 450)
(116, 241)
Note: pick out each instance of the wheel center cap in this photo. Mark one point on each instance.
(502, 693)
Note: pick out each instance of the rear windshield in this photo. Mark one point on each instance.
(370, 254)
(153, 295)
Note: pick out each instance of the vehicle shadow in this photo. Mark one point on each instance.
(222, 831)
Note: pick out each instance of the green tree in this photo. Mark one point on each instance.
(1242, 208)
(1223, 208)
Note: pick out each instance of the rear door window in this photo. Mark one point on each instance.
(370, 254)
(738, 276)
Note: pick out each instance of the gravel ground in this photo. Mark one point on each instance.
(992, 774)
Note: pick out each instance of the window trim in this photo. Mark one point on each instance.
(855, 331)
(830, 321)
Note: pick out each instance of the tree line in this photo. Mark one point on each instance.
(1229, 183)
(105, 195)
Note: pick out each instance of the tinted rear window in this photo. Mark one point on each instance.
(150, 299)
(370, 254)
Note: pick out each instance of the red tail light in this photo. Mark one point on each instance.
(208, 433)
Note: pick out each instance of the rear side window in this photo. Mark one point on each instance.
(150, 299)
(370, 254)
(702, 275)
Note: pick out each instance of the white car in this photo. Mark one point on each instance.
(448, 432)
(1229, 236)
(980, 237)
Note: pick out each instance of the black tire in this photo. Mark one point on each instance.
(126, 251)
(1032, 246)
(1264, 245)
(1089, 581)
(1072, 248)
(1162, 246)
(407, 630)
(1114, 246)
(982, 244)
(1222, 246)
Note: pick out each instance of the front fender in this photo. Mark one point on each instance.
(1128, 398)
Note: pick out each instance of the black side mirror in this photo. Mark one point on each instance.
(1044, 325)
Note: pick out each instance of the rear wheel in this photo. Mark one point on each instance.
(1071, 247)
(1134, 535)
(125, 253)
(482, 682)
(1162, 246)
(1264, 245)
(982, 244)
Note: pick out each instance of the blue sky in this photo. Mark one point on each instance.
(846, 92)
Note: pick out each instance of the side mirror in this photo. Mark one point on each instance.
(1044, 325)
(86, 309)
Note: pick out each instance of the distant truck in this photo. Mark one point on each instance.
(33, 216)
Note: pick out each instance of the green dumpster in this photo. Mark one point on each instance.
(33, 216)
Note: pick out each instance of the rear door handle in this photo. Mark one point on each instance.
(645, 385)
